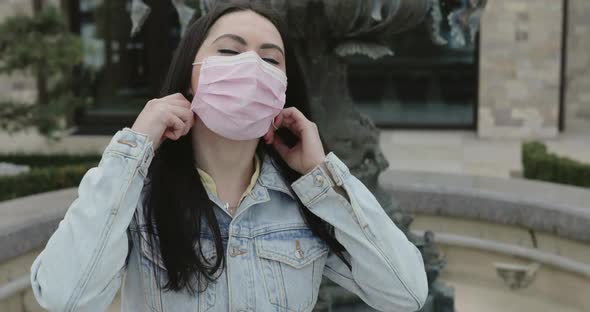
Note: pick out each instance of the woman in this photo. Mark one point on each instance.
(225, 216)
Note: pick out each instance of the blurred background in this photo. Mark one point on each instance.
(482, 111)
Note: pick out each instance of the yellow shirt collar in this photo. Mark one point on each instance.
(210, 184)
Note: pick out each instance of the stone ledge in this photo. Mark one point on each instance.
(547, 207)
(26, 223)
(553, 260)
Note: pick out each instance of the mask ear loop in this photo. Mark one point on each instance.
(190, 94)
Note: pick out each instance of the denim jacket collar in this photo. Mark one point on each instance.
(270, 177)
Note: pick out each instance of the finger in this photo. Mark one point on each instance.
(281, 147)
(295, 124)
(183, 113)
(175, 96)
(186, 115)
(181, 103)
(176, 125)
(192, 120)
(270, 134)
(294, 113)
(168, 134)
(281, 121)
(187, 126)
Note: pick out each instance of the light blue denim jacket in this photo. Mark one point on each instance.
(274, 262)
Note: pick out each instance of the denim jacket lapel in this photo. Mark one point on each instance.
(271, 178)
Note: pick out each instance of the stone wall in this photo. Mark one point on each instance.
(520, 62)
(578, 61)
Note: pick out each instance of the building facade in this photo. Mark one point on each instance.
(527, 76)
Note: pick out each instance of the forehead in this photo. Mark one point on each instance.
(251, 26)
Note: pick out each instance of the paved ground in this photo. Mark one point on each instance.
(463, 152)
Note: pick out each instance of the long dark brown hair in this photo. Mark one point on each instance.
(176, 201)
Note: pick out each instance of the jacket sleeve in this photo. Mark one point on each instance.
(83, 263)
(387, 270)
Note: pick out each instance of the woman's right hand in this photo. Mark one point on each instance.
(168, 117)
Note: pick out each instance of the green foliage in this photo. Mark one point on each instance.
(42, 160)
(48, 173)
(41, 45)
(14, 117)
(42, 179)
(539, 164)
(40, 42)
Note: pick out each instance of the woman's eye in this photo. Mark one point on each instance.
(272, 61)
(228, 51)
(233, 52)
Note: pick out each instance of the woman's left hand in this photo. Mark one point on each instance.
(308, 152)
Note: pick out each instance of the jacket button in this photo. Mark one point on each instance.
(236, 251)
(318, 180)
(299, 254)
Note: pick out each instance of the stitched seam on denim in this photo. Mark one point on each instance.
(379, 249)
(313, 279)
(117, 152)
(260, 266)
(304, 178)
(282, 291)
(204, 297)
(251, 303)
(287, 260)
(140, 269)
(250, 204)
(279, 228)
(318, 197)
(340, 167)
(106, 235)
(279, 189)
(144, 136)
(149, 254)
(79, 289)
(148, 154)
(310, 201)
(338, 273)
(155, 295)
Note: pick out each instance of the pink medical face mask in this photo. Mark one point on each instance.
(238, 96)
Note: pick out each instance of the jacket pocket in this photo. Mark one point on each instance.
(291, 262)
(155, 277)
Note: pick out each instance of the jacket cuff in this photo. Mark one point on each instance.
(312, 186)
(134, 145)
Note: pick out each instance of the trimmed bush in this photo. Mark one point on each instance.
(539, 164)
(43, 160)
(48, 173)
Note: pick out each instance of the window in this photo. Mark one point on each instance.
(128, 70)
(422, 85)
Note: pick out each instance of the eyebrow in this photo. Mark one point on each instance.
(242, 41)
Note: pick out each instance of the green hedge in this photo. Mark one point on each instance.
(539, 164)
(45, 160)
(48, 173)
